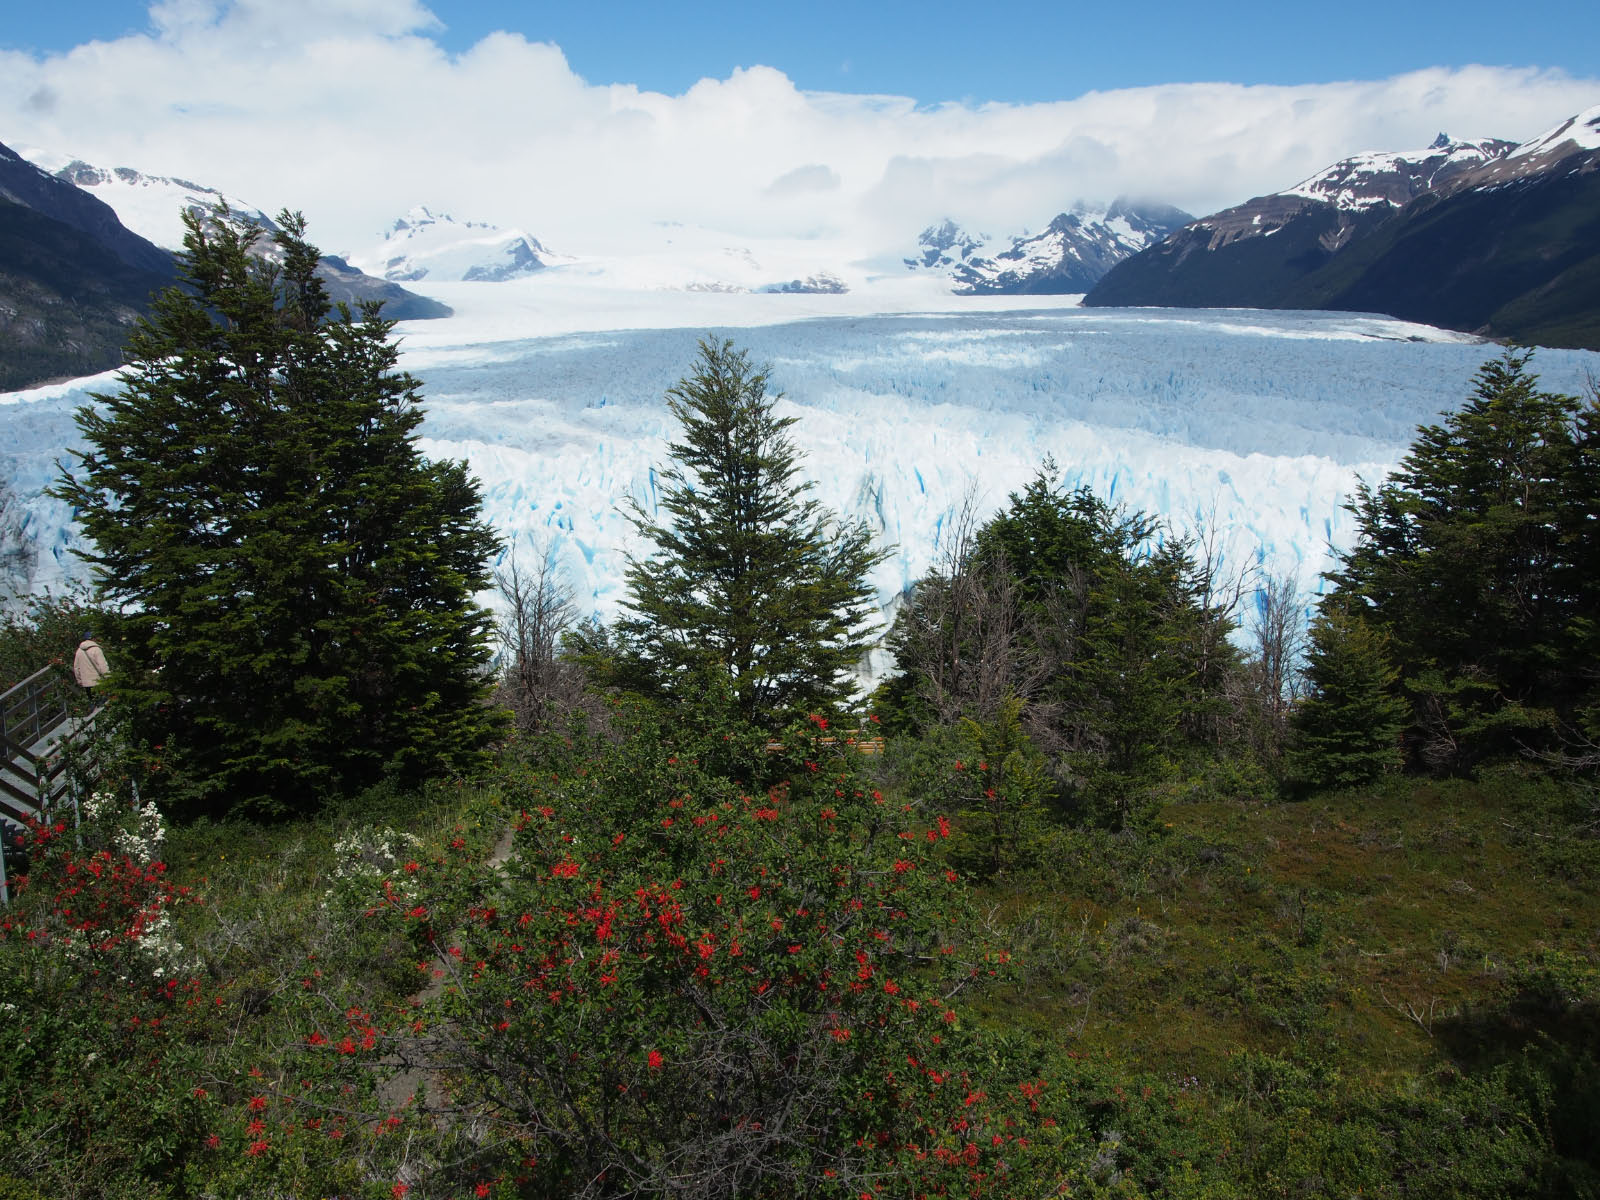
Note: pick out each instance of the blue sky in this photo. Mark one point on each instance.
(938, 51)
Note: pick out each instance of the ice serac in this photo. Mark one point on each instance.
(437, 247)
(1486, 237)
(1072, 254)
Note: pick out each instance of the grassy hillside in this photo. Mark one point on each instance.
(1393, 991)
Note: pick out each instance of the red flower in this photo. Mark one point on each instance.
(257, 1103)
(565, 869)
(399, 1190)
(653, 1060)
(257, 1147)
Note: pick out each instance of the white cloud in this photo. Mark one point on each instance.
(350, 111)
(813, 177)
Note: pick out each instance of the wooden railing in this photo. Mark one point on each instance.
(29, 713)
(852, 739)
(43, 730)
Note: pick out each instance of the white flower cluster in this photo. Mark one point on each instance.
(143, 838)
(101, 806)
(365, 857)
(161, 947)
(139, 833)
(140, 838)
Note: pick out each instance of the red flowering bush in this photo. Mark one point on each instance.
(100, 1014)
(691, 984)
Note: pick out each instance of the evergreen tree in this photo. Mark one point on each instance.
(751, 578)
(293, 581)
(1347, 731)
(1114, 643)
(1476, 556)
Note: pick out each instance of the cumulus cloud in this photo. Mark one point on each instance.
(349, 110)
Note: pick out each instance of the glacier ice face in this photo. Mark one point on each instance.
(1253, 424)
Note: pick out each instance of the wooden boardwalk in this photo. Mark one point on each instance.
(41, 723)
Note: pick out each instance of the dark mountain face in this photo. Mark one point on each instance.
(25, 184)
(1517, 260)
(72, 279)
(346, 285)
(1484, 237)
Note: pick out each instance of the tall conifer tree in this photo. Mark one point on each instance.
(1476, 558)
(1347, 731)
(294, 581)
(751, 578)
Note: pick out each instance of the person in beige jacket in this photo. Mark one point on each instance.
(89, 663)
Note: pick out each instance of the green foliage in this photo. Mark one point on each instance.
(293, 581)
(1347, 731)
(43, 630)
(689, 986)
(750, 578)
(101, 1017)
(1108, 630)
(1477, 558)
(1003, 818)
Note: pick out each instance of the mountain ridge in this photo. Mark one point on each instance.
(1486, 237)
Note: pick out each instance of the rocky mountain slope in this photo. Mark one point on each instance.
(73, 279)
(1485, 237)
(1072, 254)
(154, 205)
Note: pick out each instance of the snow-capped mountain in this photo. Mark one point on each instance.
(1072, 254)
(1396, 179)
(150, 205)
(1482, 236)
(945, 245)
(437, 247)
(823, 283)
(153, 206)
(1341, 201)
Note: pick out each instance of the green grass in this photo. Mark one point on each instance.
(1363, 926)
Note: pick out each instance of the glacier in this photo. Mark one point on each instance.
(1254, 426)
